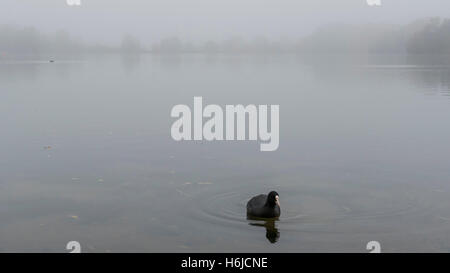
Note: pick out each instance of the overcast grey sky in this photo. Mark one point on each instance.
(199, 20)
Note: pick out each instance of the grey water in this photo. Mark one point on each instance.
(86, 154)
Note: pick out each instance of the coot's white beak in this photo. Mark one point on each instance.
(277, 200)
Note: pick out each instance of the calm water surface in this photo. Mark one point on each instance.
(86, 155)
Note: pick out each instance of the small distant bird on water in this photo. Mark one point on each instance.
(52, 61)
(264, 206)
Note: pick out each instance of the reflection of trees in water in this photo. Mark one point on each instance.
(23, 71)
(18, 72)
(170, 61)
(431, 73)
(433, 81)
(272, 233)
(130, 61)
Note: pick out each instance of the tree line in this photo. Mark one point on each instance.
(425, 36)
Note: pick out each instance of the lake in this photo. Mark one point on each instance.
(87, 155)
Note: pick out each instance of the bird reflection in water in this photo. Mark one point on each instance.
(272, 233)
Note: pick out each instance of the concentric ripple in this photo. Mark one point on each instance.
(306, 210)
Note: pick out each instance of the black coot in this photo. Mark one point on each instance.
(264, 206)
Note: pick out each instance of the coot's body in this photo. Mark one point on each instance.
(264, 206)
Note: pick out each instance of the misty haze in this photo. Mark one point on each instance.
(86, 150)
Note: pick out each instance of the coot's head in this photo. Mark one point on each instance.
(273, 199)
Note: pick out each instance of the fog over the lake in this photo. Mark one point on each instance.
(106, 21)
(87, 153)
